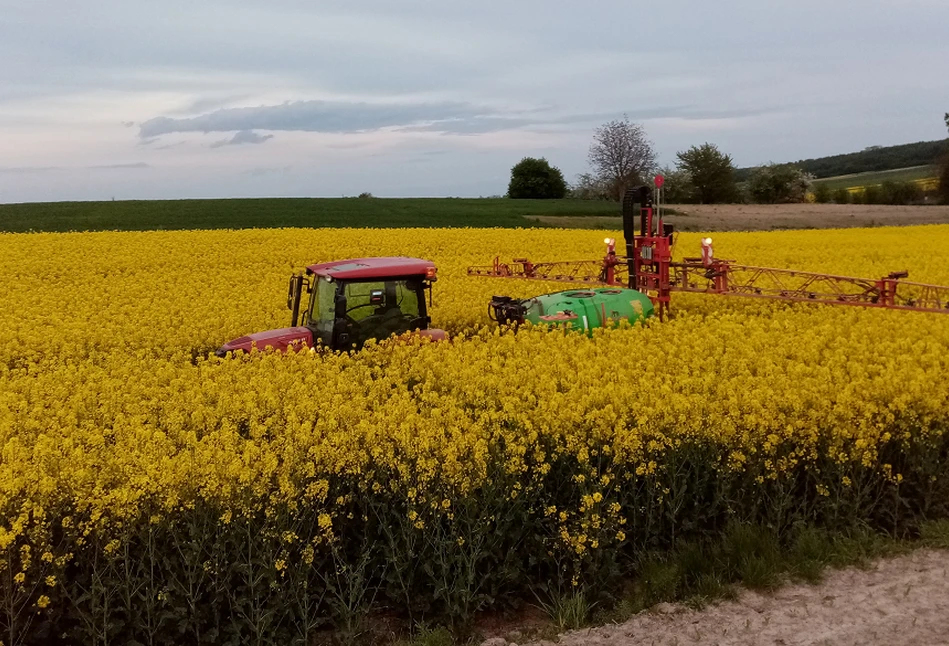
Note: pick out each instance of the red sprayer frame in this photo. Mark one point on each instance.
(648, 267)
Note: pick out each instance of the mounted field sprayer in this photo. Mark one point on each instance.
(647, 272)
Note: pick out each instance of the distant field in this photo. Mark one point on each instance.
(289, 212)
(911, 174)
(440, 212)
(771, 217)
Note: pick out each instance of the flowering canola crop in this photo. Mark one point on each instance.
(115, 423)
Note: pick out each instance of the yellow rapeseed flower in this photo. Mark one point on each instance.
(111, 408)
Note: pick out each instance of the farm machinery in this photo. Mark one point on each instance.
(349, 302)
(646, 277)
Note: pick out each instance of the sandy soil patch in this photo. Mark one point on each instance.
(901, 600)
(767, 217)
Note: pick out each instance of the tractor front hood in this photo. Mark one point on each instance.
(280, 340)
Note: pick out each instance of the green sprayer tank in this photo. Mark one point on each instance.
(579, 309)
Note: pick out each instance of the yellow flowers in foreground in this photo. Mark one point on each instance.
(113, 420)
(106, 399)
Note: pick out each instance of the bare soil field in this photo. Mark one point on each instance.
(900, 600)
(768, 217)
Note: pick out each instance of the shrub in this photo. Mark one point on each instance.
(901, 192)
(872, 194)
(943, 189)
(778, 183)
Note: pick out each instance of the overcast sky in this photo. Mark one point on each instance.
(168, 99)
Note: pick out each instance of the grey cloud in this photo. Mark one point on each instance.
(261, 171)
(29, 169)
(696, 113)
(115, 166)
(493, 123)
(207, 104)
(442, 117)
(483, 124)
(309, 116)
(687, 112)
(242, 137)
(472, 126)
(347, 117)
(46, 169)
(348, 145)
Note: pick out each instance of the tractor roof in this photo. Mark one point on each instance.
(360, 268)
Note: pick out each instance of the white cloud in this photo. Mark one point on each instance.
(242, 137)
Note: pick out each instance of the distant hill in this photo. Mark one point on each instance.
(925, 176)
(872, 159)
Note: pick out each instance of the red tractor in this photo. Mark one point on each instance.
(350, 302)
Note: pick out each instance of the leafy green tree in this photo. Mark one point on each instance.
(778, 183)
(712, 173)
(533, 178)
(842, 196)
(822, 194)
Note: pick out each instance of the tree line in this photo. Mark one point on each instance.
(621, 155)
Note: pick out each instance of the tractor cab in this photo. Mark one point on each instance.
(352, 301)
(342, 304)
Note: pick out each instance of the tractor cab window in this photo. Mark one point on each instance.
(323, 308)
(378, 309)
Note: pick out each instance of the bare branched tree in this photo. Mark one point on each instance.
(621, 155)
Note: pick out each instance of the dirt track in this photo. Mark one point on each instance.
(766, 217)
(902, 600)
